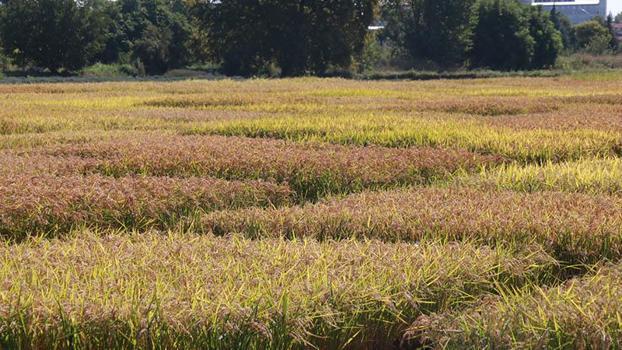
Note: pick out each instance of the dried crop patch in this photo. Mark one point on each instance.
(311, 213)
(492, 106)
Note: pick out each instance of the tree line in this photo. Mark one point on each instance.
(293, 37)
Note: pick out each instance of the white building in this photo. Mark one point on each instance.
(577, 10)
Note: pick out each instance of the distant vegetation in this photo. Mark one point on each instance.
(286, 38)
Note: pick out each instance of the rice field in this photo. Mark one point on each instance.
(312, 214)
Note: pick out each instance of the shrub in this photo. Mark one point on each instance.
(592, 37)
(109, 70)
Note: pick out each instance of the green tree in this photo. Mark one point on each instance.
(547, 39)
(299, 36)
(592, 36)
(613, 41)
(501, 37)
(564, 26)
(105, 15)
(151, 33)
(237, 35)
(618, 18)
(53, 34)
(430, 29)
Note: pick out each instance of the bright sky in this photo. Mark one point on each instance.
(615, 6)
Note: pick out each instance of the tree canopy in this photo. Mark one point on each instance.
(289, 37)
(297, 36)
(55, 34)
(430, 29)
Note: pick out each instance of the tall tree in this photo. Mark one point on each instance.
(613, 41)
(300, 36)
(592, 36)
(237, 33)
(430, 29)
(53, 34)
(153, 32)
(501, 36)
(547, 39)
(564, 26)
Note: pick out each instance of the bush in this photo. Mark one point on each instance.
(109, 70)
(582, 60)
(592, 37)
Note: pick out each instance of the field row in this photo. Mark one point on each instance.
(523, 119)
(583, 313)
(52, 205)
(200, 182)
(575, 228)
(202, 292)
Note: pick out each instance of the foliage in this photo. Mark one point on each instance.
(585, 61)
(429, 29)
(373, 53)
(52, 34)
(510, 36)
(547, 39)
(154, 33)
(613, 41)
(564, 26)
(109, 70)
(592, 37)
(299, 37)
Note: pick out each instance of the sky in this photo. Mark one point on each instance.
(614, 6)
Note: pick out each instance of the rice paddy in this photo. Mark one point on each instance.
(312, 214)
